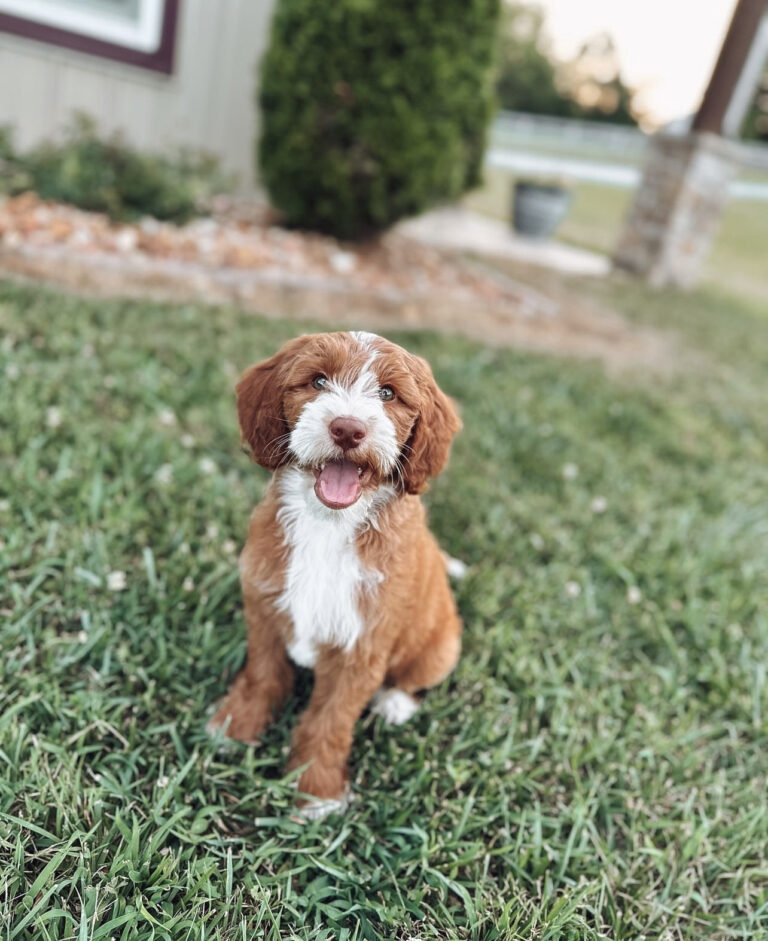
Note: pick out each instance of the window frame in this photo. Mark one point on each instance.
(160, 59)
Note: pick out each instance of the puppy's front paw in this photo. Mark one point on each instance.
(239, 717)
(319, 808)
(326, 786)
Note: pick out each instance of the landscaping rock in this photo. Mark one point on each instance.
(247, 259)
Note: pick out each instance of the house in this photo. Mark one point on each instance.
(164, 73)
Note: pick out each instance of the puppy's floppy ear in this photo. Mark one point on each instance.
(426, 452)
(260, 409)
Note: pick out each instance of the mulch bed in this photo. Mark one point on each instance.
(393, 266)
(240, 255)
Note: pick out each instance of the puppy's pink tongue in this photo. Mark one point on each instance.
(338, 484)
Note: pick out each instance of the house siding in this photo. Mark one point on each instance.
(208, 102)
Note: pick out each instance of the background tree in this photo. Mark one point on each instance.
(756, 124)
(593, 82)
(589, 87)
(527, 75)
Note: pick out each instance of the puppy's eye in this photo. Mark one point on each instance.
(386, 393)
(320, 382)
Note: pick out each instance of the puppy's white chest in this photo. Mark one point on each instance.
(324, 577)
(322, 584)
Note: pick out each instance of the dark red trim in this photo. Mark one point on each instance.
(730, 64)
(159, 61)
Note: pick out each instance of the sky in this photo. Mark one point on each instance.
(667, 48)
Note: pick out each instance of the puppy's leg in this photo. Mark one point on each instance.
(427, 667)
(344, 683)
(262, 685)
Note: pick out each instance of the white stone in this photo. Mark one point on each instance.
(343, 262)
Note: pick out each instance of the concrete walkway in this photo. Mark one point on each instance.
(465, 231)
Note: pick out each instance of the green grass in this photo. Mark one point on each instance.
(738, 259)
(596, 766)
(597, 213)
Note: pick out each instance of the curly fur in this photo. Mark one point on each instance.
(360, 593)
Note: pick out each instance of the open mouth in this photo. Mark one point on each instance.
(338, 484)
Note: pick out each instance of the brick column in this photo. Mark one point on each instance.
(677, 208)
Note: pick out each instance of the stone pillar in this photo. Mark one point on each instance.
(677, 209)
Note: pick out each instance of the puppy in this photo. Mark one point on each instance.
(339, 571)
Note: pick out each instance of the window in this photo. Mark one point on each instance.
(139, 32)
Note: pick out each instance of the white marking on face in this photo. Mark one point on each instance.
(324, 578)
(364, 339)
(310, 441)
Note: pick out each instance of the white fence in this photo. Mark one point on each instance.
(607, 154)
(565, 133)
(583, 138)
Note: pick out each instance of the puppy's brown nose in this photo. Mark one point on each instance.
(347, 432)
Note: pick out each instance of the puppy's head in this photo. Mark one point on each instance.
(352, 409)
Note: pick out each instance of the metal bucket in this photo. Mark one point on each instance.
(538, 209)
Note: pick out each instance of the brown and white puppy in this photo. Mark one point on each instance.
(339, 571)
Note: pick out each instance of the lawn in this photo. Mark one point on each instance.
(597, 214)
(596, 766)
